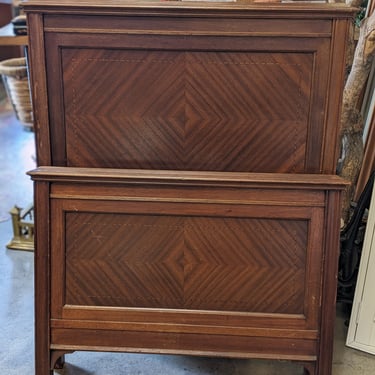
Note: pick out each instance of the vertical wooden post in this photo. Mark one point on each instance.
(42, 280)
(329, 283)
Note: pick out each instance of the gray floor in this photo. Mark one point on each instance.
(16, 302)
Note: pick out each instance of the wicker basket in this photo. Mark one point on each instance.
(14, 73)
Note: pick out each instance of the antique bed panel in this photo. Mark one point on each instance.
(185, 255)
(184, 127)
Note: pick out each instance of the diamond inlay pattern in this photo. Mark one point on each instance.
(187, 110)
(186, 262)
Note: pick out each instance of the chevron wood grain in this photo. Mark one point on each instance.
(187, 110)
(186, 262)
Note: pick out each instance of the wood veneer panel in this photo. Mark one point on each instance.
(186, 262)
(187, 110)
(310, 132)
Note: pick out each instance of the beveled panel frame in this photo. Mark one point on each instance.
(313, 267)
(320, 131)
(173, 200)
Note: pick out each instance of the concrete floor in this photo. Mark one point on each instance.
(16, 302)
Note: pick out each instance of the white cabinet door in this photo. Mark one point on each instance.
(361, 334)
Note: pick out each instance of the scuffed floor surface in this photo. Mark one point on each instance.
(16, 302)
